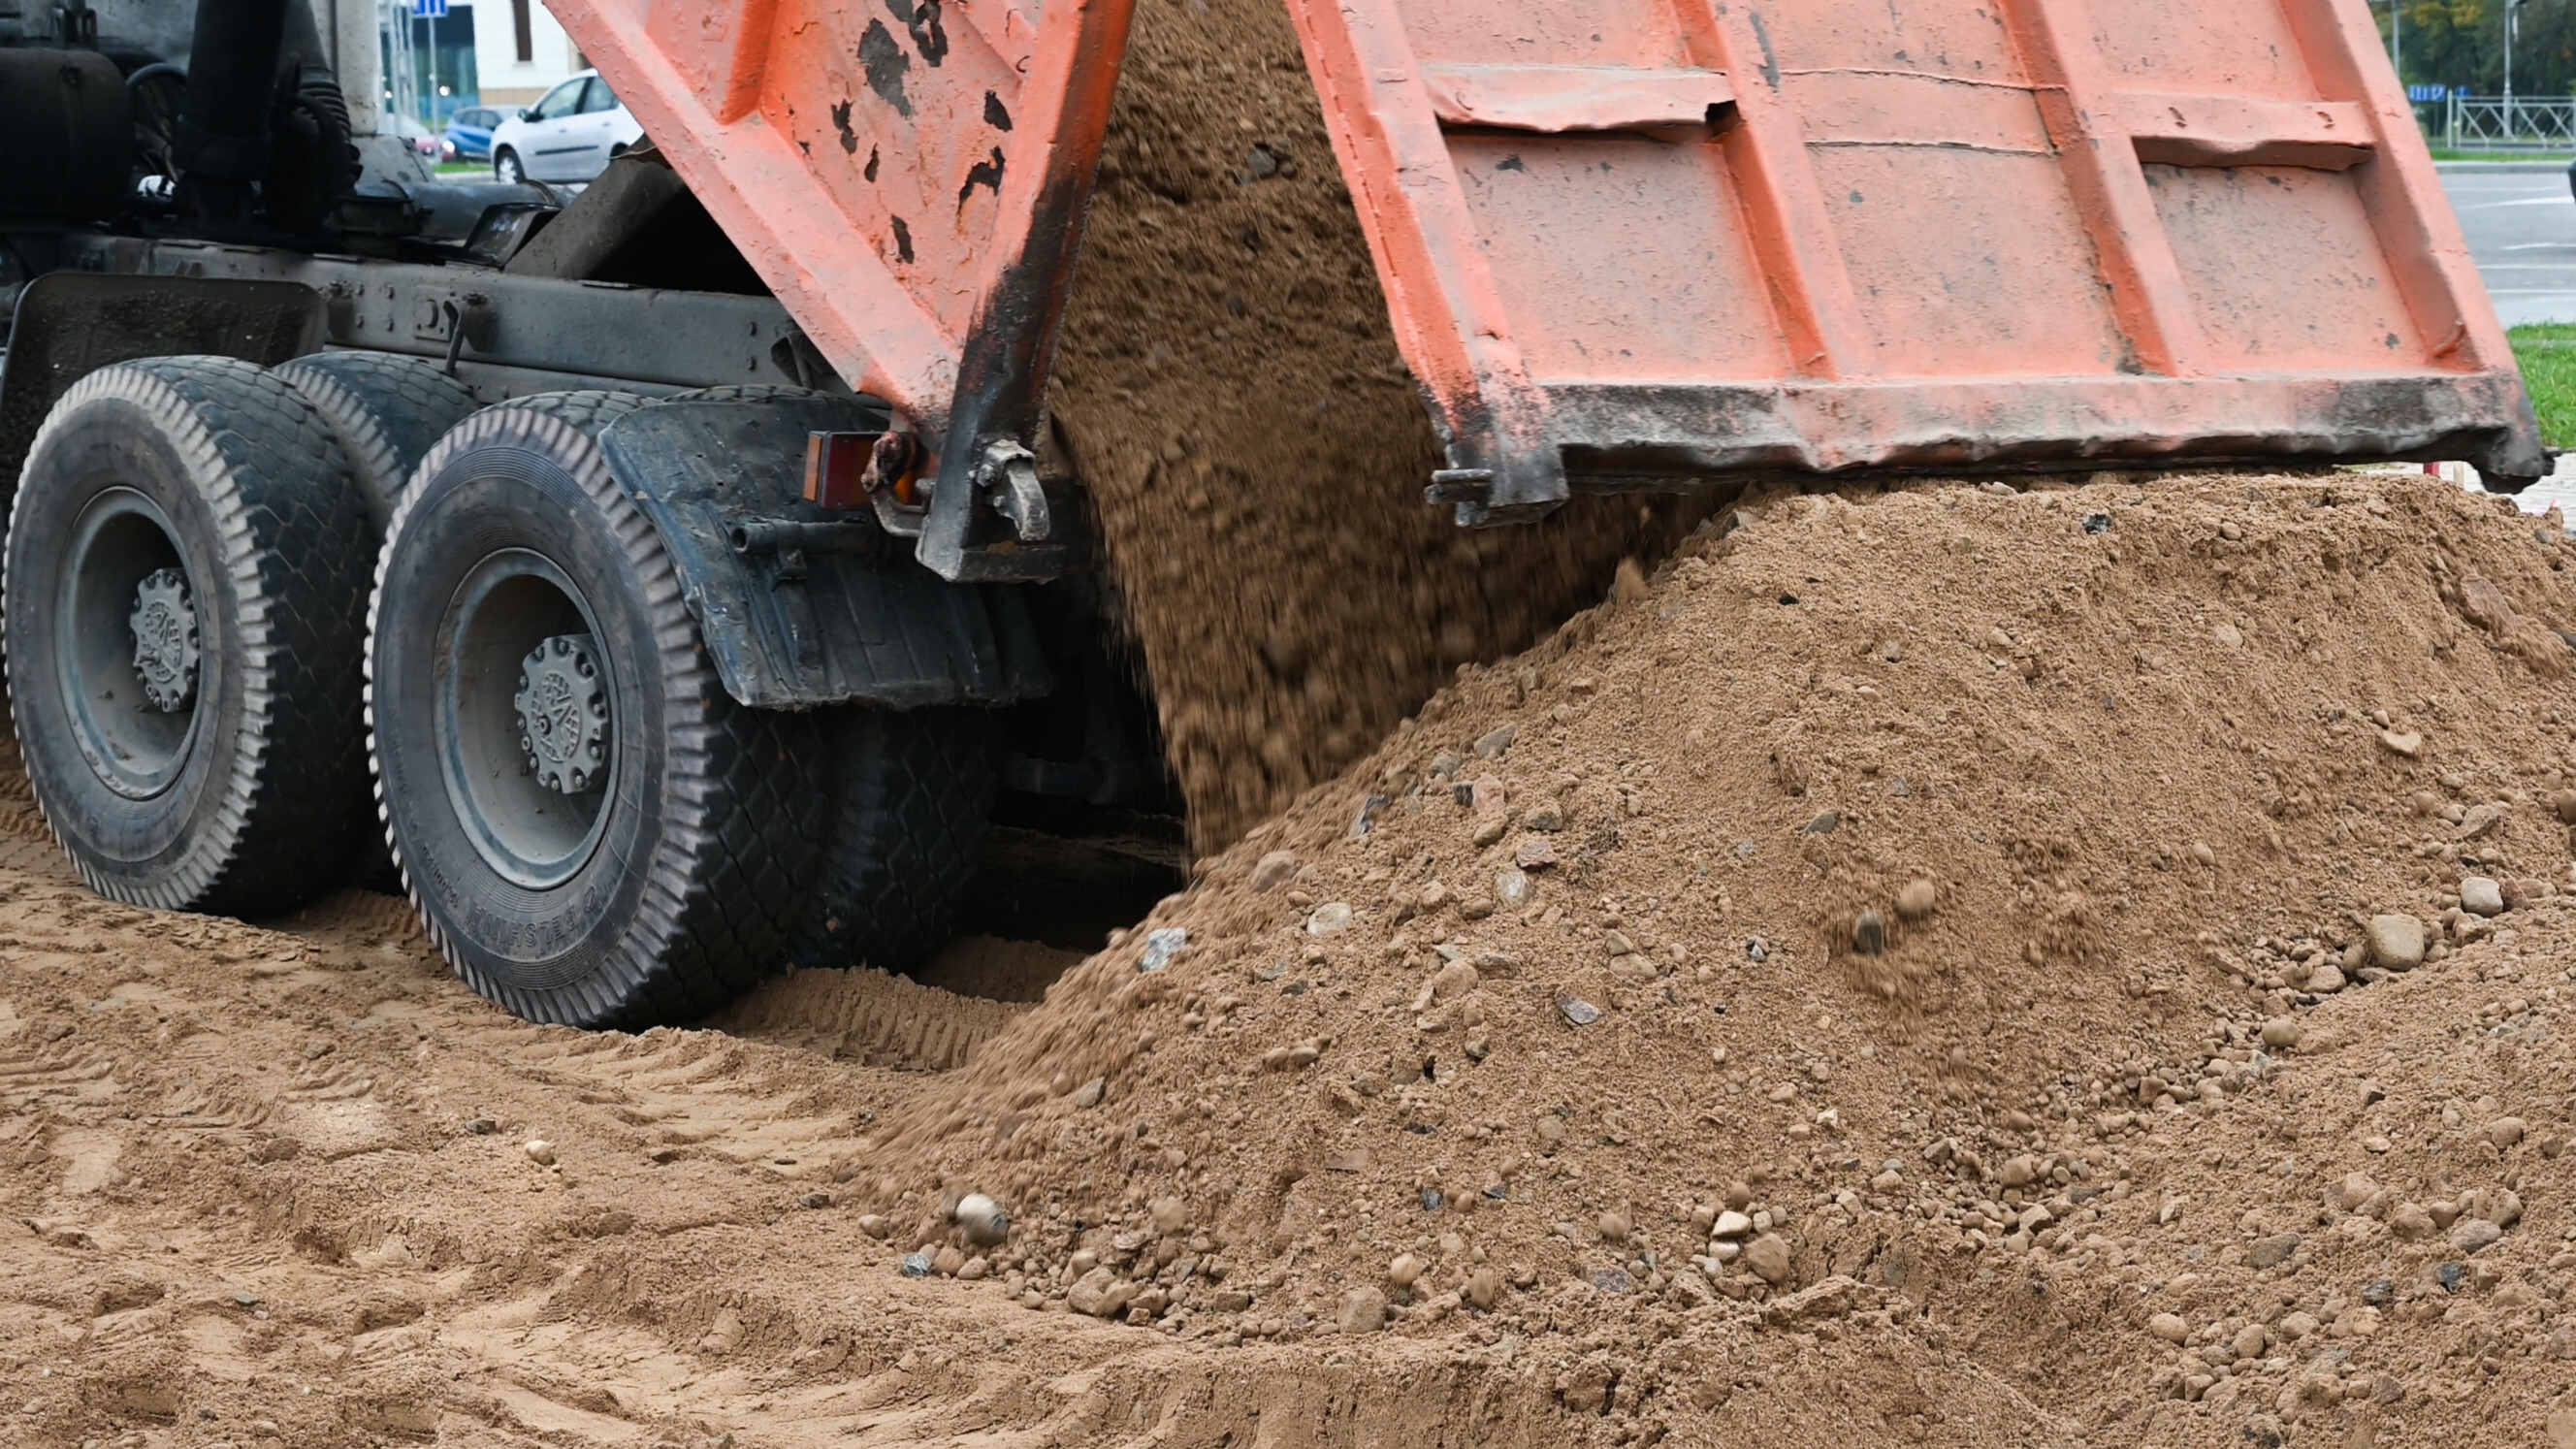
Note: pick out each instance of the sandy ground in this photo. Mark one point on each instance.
(2126, 1135)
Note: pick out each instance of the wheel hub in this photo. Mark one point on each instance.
(165, 640)
(563, 714)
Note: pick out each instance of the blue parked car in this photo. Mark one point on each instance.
(469, 134)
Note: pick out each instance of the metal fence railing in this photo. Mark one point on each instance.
(2492, 123)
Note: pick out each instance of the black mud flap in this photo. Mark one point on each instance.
(801, 607)
(71, 324)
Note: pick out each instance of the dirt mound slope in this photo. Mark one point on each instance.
(1230, 394)
(1532, 1083)
(1890, 869)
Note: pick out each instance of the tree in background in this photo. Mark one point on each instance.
(2461, 43)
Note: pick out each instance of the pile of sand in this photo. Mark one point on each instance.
(1890, 868)
(1230, 394)
(1561, 1104)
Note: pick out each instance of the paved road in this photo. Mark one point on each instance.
(2522, 231)
(2521, 227)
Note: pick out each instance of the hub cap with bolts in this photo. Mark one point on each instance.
(165, 640)
(563, 714)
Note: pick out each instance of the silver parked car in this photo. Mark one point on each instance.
(571, 135)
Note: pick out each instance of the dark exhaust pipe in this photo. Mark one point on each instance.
(249, 131)
(232, 88)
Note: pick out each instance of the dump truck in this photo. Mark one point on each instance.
(669, 581)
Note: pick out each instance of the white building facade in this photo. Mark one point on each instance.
(519, 52)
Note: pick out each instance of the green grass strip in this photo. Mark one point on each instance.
(2547, 353)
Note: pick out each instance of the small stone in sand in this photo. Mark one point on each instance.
(2471, 1234)
(983, 1220)
(1869, 934)
(1274, 871)
(1100, 1293)
(1363, 1310)
(1160, 947)
(2481, 896)
(2397, 942)
(1768, 1258)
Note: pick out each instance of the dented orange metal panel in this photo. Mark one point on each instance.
(1646, 243)
(1907, 235)
(910, 177)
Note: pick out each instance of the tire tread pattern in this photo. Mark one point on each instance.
(912, 808)
(293, 544)
(388, 410)
(743, 794)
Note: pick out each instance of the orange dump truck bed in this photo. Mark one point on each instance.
(1647, 243)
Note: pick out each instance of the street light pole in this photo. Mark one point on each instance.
(2512, 17)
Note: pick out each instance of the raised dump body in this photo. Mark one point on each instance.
(1659, 243)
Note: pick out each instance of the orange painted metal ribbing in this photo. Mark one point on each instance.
(1653, 242)
(1914, 235)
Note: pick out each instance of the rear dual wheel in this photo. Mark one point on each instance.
(593, 831)
(185, 558)
(188, 562)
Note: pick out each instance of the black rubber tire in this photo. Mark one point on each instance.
(388, 410)
(263, 790)
(586, 410)
(912, 805)
(911, 808)
(707, 832)
(507, 169)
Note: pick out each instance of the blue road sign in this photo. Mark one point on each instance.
(429, 9)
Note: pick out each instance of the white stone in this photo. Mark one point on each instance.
(2481, 896)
